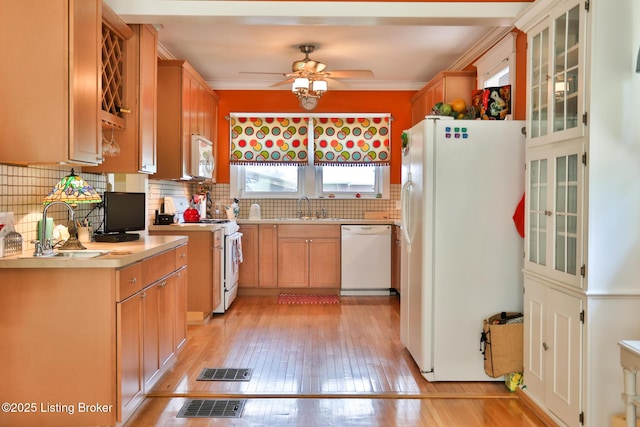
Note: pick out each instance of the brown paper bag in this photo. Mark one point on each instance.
(502, 346)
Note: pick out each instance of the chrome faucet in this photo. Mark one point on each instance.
(43, 247)
(308, 207)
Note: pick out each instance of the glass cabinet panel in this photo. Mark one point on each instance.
(566, 214)
(539, 83)
(538, 212)
(565, 75)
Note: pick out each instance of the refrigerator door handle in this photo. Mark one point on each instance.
(405, 196)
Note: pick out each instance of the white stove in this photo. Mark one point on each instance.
(231, 260)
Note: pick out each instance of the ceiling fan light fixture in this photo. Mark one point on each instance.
(319, 86)
(300, 84)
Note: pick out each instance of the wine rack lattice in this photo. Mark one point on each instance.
(112, 71)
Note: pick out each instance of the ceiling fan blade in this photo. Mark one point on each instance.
(351, 74)
(283, 82)
(261, 72)
(336, 84)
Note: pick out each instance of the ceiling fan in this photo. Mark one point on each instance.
(309, 78)
(316, 70)
(313, 69)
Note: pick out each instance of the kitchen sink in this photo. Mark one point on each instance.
(70, 254)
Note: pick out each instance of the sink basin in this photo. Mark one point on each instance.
(82, 253)
(70, 254)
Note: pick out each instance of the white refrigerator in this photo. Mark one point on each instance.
(462, 181)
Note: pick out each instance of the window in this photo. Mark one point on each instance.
(496, 67)
(334, 181)
(267, 181)
(292, 182)
(499, 78)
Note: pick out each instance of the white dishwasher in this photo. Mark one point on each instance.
(366, 260)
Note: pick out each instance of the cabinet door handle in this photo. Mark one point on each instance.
(545, 346)
(143, 295)
(548, 213)
(133, 280)
(163, 283)
(183, 255)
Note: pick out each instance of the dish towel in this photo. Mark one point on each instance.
(518, 217)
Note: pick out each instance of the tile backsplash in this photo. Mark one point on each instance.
(288, 208)
(22, 189)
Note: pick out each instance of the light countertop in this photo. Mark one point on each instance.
(322, 221)
(119, 254)
(186, 226)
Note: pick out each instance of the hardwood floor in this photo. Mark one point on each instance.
(321, 365)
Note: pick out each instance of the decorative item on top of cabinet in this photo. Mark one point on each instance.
(51, 92)
(186, 106)
(444, 87)
(129, 80)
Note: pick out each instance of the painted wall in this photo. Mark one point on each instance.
(397, 103)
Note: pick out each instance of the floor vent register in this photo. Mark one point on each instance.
(211, 408)
(224, 374)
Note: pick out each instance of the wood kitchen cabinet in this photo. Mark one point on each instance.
(135, 131)
(308, 256)
(103, 322)
(268, 255)
(162, 320)
(186, 106)
(248, 270)
(259, 268)
(51, 91)
(204, 278)
(444, 87)
(129, 344)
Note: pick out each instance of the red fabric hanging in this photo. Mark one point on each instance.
(518, 217)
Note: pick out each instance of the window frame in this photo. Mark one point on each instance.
(381, 191)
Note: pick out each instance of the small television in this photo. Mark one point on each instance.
(123, 212)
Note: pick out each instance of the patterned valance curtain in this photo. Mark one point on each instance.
(266, 140)
(354, 141)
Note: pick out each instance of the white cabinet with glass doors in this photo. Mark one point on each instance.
(554, 222)
(556, 75)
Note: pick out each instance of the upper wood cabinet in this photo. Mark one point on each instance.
(444, 87)
(131, 100)
(186, 106)
(49, 109)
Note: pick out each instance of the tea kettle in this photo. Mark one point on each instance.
(191, 214)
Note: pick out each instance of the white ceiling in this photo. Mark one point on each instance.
(404, 43)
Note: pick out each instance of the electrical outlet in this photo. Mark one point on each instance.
(398, 205)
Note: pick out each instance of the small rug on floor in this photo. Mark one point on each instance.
(307, 299)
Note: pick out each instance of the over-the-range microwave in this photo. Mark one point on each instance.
(202, 160)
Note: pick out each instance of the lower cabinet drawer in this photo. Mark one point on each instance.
(129, 281)
(158, 266)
